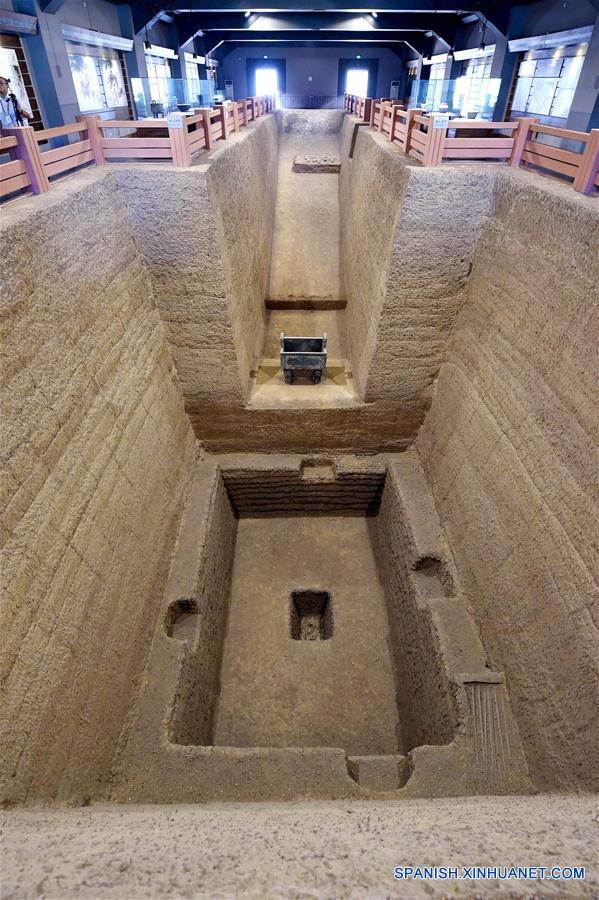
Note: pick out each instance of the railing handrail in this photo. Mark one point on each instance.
(433, 145)
(30, 167)
(46, 134)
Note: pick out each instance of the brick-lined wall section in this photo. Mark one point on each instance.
(97, 454)
(508, 449)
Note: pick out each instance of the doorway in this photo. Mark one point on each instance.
(267, 82)
(358, 76)
(356, 82)
(265, 76)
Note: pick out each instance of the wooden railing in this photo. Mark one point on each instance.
(358, 106)
(176, 141)
(432, 140)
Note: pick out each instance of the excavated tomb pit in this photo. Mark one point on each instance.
(314, 642)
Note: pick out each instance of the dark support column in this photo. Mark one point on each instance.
(584, 112)
(49, 67)
(506, 74)
(452, 72)
(135, 59)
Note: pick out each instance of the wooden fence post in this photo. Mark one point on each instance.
(28, 151)
(584, 182)
(435, 142)
(94, 135)
(394, 112)
(382, 116)
(367, 108)
(372, 112)
(244, 112)
(520, 138)
(205, 123)
(409, 127)
(223, 121)
(179, 138)
(235, 117)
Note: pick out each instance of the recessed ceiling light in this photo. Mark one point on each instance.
(248, 13)
(374, 13)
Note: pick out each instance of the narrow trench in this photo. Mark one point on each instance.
(305, 295)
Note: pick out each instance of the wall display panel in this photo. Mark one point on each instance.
(10, 68)
(571, 70)
(14, 66)
(562, 103)
(546, 82)
(548, 68)
(114, 84)
(88, 84)
(527, 68)
(98, 78)
(522, 93)
(541, 96)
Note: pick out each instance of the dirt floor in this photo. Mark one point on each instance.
(281, 691)
(305, 253)
(296, 850)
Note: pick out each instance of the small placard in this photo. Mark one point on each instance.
(175, 120)
(440, 121)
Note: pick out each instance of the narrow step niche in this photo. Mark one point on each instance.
(182, 618)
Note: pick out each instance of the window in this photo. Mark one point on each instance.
(546, 81)
(356, 82)
(475, 90)
(98, 80)
(159, 74)
(267, 81)
(434, 90)
(412, 83)
(194, 88)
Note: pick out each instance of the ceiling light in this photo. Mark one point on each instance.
(248, 13)
(358, 56)
(374, 14)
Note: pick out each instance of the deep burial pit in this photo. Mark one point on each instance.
(301, 617)
(316, 624)
(314, 642)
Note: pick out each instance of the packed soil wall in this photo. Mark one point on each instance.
(97, 453)
(408, 237)
(426, 712)
(508, 450)
(205, 235)
(197, 695)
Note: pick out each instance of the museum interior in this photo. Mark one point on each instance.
(299, 497)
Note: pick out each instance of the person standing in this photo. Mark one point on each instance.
(11, 111)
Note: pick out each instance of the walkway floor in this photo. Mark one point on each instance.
(305, 261)
(298, 850)
(333, 692)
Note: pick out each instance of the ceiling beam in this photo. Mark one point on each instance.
(317, 20)
(399, 6)
(215, 38)
(256, 26)
(50, 6)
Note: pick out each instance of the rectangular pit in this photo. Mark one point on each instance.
(313, 643)
(294, 646)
